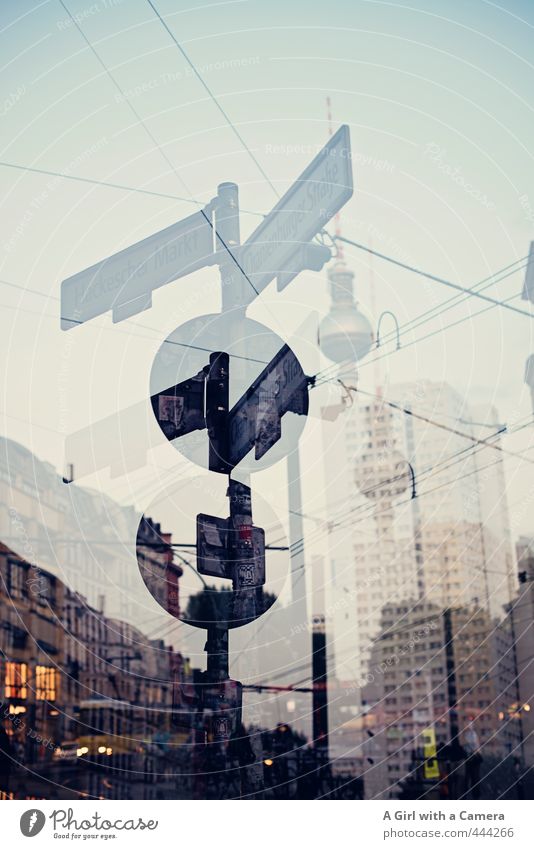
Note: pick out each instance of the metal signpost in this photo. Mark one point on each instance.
(280, 247)
(124, 282)
(528, 295)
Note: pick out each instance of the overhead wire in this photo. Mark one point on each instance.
(120, 186)
(370, 510)
(409, 412)
(463, 290)
(456, 300)
(156, 144)
(404, 328)
(214, 99)
(434, 277)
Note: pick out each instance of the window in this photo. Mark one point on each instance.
(16, 680)
(18, 637)
(45, 683)
(45, 587)
(16, 578)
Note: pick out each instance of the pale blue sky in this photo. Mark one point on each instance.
(427, 89)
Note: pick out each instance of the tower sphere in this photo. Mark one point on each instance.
(345, 333)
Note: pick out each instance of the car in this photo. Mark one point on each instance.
(67, 751)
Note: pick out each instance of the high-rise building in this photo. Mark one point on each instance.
(417, 515)
(454, 676)
(450, 545)
(522, 611)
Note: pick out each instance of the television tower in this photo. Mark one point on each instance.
(345, 334)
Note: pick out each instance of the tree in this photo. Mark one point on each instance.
(213, 604)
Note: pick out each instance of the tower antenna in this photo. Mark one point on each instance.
(337, 219)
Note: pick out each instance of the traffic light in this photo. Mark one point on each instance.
(311, 256)
(217, 395)
(180, 409)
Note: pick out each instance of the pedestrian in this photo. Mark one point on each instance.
(518, 774)
(355, 788)
(473, 762)
(241, 756)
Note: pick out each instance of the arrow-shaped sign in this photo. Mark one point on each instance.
(255, 420)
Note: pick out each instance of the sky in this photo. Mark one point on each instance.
(439, 100)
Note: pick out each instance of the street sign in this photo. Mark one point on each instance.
(180, 409)
(254, 421)
(528, 288)
(216, 552)
(124, 282)
(320, 191)
(212, 545)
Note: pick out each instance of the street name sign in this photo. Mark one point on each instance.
(254, 421)
(320, 191)
(528, 288)
(124, 282)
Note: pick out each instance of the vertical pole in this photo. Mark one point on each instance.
(228, 239)
(245, 581)
(234, 300)
(452, 694)
(217, 650)
(217, 401)
(296, 536)
(300, 643)
(511, 615)
(217, 405)
(319, 665)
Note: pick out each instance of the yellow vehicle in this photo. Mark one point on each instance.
(110, 727)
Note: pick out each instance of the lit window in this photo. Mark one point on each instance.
(45, 683)
(16, 680)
